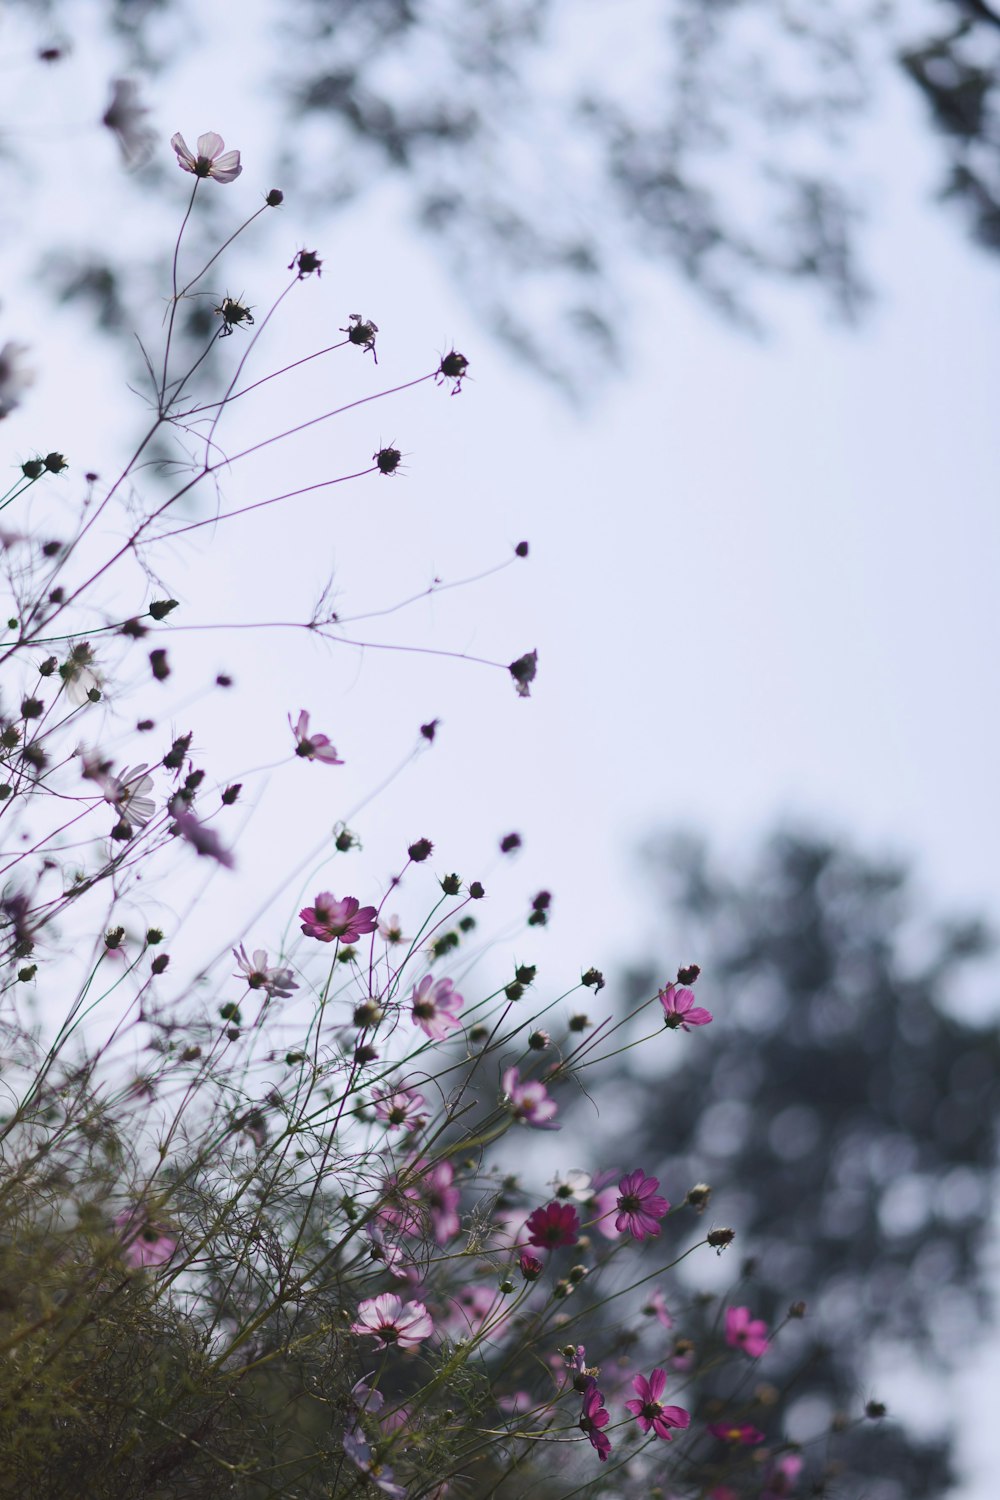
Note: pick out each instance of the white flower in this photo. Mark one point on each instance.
(276, 983)
(127, 793)
(125, 115)
(212, 160)
(15, 376)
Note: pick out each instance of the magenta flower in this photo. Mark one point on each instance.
(593, 1417)
(212, 159)
(393, 1322)
(529, 1102)
(649, 1412)
(746, 1333)
(736, 1433)
(554, 1225)
(680, 1010)
(203, 840)
(639, 1205)
(657, 1307)
(312, 746)
(329, 919)
(399, 1108)
(276, 983)
(143, 1243)
(531, 1266)
(436, 1004)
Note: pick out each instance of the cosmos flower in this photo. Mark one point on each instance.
(399, 1108)
(593, 1418)
(212, 159)
(746, 1333)
(276, 983)
(203, 840)
(143, 1242)
(529, 1102)
(680, 1010)
(639, 1205)
(328, 919)
(125, 116)
(312, 746)
(435, 1006)
(648, 1411)
(394, 1322)
(554, 1225)
(128, 794)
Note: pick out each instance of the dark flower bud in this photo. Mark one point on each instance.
(525, 973)
(453, 367)
(478, 1035)
(365, 1054)
(191, 1054)
(134, 629)
(562, 1289)
(47, 667)
(344, 841)
(538, 919)
(347, 954)
(223, 680)
(539, 1040)
(55, 463)
(451, 885)
(91, 477)
(274, 199)
(10, 737)
(476, 890)
(27, 973)
(542, 901)
(387, 460)
(145, 724)
(720, 1238)
(367, 1014)
(420, 851)
(193, 780)
(231, 793)
(51, 549)
(428, 731)
(361, 332)
(153, 936)
(466, 924)
(160, 608)
(875, 1410)
(35, 757)
(175, 756)
(579, 1022)
(506, 1286)
(688, 974)
(521, 550)
(5, 791)
(576, 1274)
(121, 832)
(307, 261)
(797, 1310)
(32, 468)
(159, 664)
(160, 962)
(291, 1058)
(698, 1196)
(230, 1011)
(51, 54)
(593, 979)
(523, 671)
(514, 991)
(113, 939)
(232, 1033)
(444, 944)
(57, 595)
(510, 842)
(31, 708)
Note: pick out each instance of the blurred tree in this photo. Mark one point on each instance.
(547, 142)
(845, 1115)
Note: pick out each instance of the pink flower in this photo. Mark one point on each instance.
(360, 1454)
(329, 919)
(746, 1333)
(143, 1242)
(276, 983)
(605, 1209)
(442, 1200)
(399, 1107)
(516, 1403)
(212, 159)
(436, 1004)
(203, 840)
(529, 1102)
(554, 1225)
(593, 1417)
(680, 1010)
(312, 746)
(476, 1312)
(657, 1306)
(781, 1477)
(391, 1256)
(648, 1411)
(393, 1322)
(736, 1433)
(639, 1205)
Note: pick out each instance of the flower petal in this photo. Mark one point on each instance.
(210, 144)
(226, 168)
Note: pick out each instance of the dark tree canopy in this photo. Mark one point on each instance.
(546, 143)
(845, 1114)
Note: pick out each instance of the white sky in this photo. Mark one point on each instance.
(762, 580)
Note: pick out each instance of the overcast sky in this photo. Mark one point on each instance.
(762, 580)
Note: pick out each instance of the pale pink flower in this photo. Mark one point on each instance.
(312, 746)
(390, 929)
(400, 1108)
(277, 983)
(391, 1256)
(443, 1199)
(126, 117)
(328, 919)
(475, 1311)
(143, 1242)
(360, 1454)
(746, 1333)
(16, 375)
(529, 1102)
(680, 1010)
(128, 794)
(657, 1307)
(435, 1007)
(212, 159)
(394, 1322)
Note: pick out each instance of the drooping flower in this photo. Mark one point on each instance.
(358, 1451)
(648, 1409)
(529, 1102)
(277, 983)
(125, 116)
(680, 1010)
(554, 1225)
(594, 1417)
(312, 746)
(399, 1108)
(435, 1007)
(16, 375)
(213, 160)
(329, 919)
(204, 840)
(128, 794)
(144, 1242)
(746, 1333)
(737, 1433)
(394, 1322)
(639, 1205)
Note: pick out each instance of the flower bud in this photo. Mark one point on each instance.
(720, 1238)
(420, 851)
(451, 885)
(274, 199)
